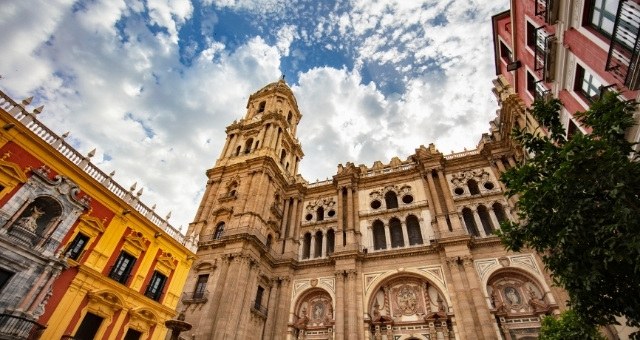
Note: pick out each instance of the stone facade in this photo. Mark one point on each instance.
(403, 250)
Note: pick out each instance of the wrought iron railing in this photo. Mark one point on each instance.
(544, 54)
(548, 10)
(623, 60)
(18, 327)
(541, 91)
(198, 296)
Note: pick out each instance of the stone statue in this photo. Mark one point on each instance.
(30, 222)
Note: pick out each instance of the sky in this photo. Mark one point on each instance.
(152, 84)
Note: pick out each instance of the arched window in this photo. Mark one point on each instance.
(395, 229)
(469, 221)
(247, 145)
(317, 250)
(219, 231)
(269, 241)
(379, 240)
(232, 192)
(413, 230)
(289, 116)
(283, 154)
(391, 200)
(261, 106)
(257, 145)
(499, 211)
(473, 187)
(306, 246)
(486, 220)
(320, 214)
(238, 150)
(331, 241)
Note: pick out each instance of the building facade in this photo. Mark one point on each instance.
(81, 257)
(403, 250)
(571, 50)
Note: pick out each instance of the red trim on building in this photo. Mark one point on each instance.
(60, 287)
(76, 316)
(114, 320)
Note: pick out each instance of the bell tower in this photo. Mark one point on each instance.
(244, 222)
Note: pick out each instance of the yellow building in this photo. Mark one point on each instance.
(82, 257)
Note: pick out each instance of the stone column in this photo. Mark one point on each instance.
(246, 189)
(340, 228)
(494, 218)
(478, 220)
(245, 303)
(500, 166)
(280, 331)
(229, 145)
(481, 309)
(208, 325)
(243, 265)
(351, 304)
(301, 251)
(464, 319)
(285, 219)
(312, 247)
(294, 218)
(272, 311)
(349, 215)
(324, 244)
(387, 235)
(443, 228)
(405, 233)
(261, 137)
(340, 306)
(356, 214)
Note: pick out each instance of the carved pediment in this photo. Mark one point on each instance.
(167, 260)
(137, 240)
(12, 170)
(106, 298)
(145, 315)
(91, 225)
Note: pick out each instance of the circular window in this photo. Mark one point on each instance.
(458, 191)
(308, 217)
(331, 213)
(407, 199)
(488, 185)
(376, 204)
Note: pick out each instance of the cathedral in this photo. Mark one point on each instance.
(404, 250)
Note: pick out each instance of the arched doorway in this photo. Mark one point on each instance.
(404, 305)
(518, 302)
(314, 317)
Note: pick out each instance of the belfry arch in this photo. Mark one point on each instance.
(408, 305)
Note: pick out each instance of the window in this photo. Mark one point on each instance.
(77, 246)
(331, 241)
(413, 230)
(122, 268)
(505, 53)
(499, 211)
(486, 220)
(259, 294)
(531, 35)
(238, 150)
(269, 241)
(473, 187)
(261, 106)
(132, 334)
(289, 116)
(201, 286)
(602, 15)
(5, 276)
(247, 145)
(317, 250)
(469, 221)
(306, 246)
(586, 84)
(572, 129)
(531, 84)
(88, 327)
(283, 154)
(156, 285)
(379, 239)
(320, 214)
(391, 200)
(395, 229)
(219, 231)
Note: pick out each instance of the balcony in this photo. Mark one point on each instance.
(195, 297)
(18, 327)
(623, 59)
(545, 54)
(259, 309)
(548, 10)
(541, 91)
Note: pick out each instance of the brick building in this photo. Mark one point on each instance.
(402, 250)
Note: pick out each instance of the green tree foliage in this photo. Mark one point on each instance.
(567, 326)
(579, 207)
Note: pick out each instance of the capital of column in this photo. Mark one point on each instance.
(351, 274)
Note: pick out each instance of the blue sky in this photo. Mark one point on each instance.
(152, 84)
